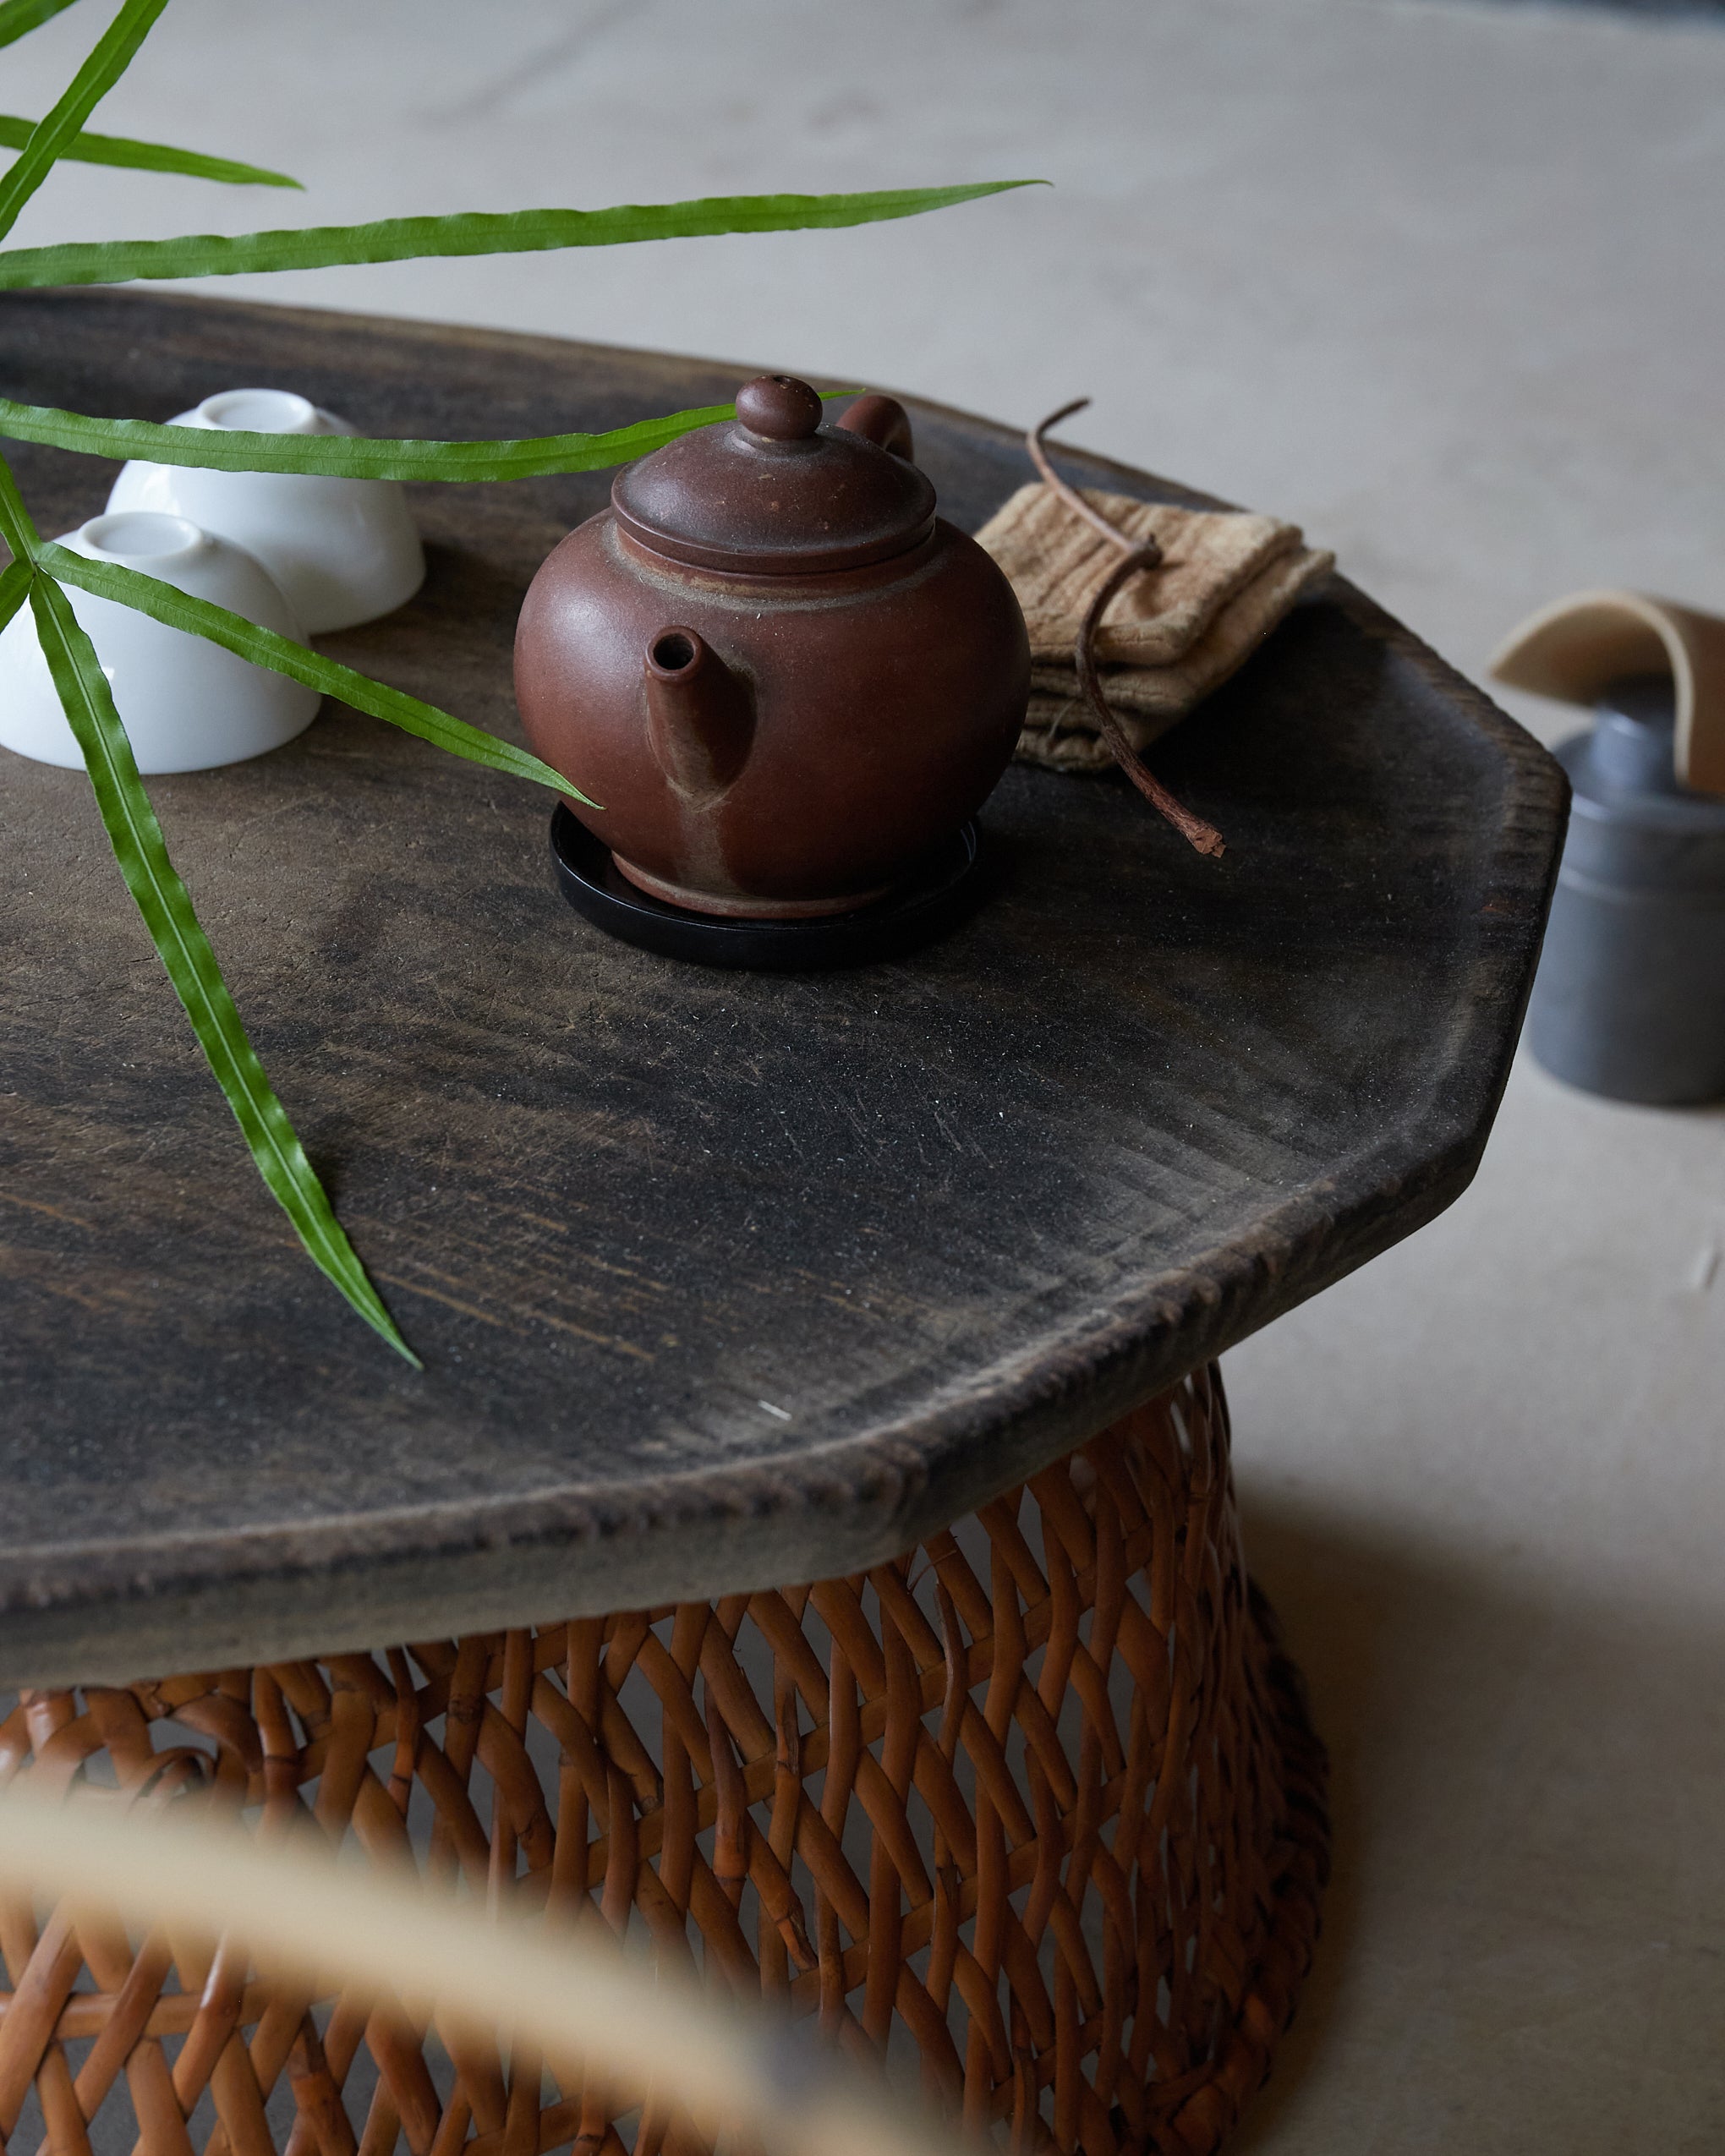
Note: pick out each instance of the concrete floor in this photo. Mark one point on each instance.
(1443, 283)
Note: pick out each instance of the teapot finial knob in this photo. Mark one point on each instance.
(778, 407)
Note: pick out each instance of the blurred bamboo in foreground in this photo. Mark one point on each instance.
(320, 1925)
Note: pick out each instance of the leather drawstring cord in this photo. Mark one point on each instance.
(1070, 494)
(1203, 837)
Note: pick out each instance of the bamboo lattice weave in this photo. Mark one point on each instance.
(1036, 1802)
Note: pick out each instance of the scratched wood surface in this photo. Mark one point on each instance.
(719, 1280)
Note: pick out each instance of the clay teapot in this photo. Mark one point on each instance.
(786, 678)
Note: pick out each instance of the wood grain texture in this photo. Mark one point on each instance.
(950, 1216)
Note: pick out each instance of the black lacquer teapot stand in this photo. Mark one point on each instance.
(949, 886)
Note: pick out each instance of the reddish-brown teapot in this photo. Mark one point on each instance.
(786, 679)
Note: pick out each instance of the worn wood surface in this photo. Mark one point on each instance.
(719, 1280)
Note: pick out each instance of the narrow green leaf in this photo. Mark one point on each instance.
(107, 63)
(184, 950)
(17, 528)
(397, 240)
(18, 18)
(200, 617)
(347, 456)
(14, 589)
(85, 148)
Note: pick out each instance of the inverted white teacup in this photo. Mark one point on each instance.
(187, 704)
(344, 550)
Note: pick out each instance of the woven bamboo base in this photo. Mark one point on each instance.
(1036, 1804)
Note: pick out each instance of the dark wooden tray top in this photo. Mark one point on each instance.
(719, 1280)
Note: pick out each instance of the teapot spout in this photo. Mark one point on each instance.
(700, 715)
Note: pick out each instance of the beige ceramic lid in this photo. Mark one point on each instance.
(773, 492)
(1575, 648)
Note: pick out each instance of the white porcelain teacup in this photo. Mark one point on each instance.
(187, 704)
(343, 550)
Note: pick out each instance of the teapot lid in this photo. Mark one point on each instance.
(774, 492)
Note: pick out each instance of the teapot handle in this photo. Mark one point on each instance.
(882, 420)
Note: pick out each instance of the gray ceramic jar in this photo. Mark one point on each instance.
(1630, 1000)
